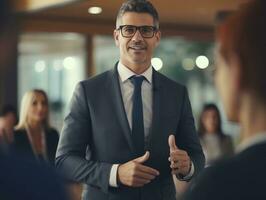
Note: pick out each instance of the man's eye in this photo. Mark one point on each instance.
(146, 30)
(129, 30)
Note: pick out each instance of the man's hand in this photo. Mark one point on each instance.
(180, 161)
(134, 173)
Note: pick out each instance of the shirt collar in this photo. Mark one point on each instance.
(125, 73)
(256, 139)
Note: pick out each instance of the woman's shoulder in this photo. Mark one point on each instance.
(52, 131)
(21, 130)
(226, 138)
(20, 136)
(19, 133)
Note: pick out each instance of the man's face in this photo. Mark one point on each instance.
(210, 121)
(136, 52)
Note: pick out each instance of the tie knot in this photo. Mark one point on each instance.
(137, 80)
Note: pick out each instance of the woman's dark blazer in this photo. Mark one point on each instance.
(22, 143)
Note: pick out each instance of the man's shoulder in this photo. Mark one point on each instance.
(231, 178)
(168, 81)
(97, 81)
(99, 77)
(238, 167)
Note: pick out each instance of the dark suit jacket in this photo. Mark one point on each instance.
(97, 129)
(21, 178)
(23, 146)
(241, 177)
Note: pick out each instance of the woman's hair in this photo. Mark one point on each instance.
(243, 34)
(26, 102)
(202, 129)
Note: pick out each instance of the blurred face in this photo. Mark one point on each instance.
(136, 51)
(38, 109)
(10, 119)
(226, 80)
(210, 121)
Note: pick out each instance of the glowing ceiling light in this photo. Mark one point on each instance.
(202, 62)
(95, 10)
(157, 63)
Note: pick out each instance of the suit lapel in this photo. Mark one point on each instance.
(118, 104)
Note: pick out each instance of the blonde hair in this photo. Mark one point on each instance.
(26, 102)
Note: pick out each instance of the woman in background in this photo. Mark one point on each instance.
(240, 79)
(33, 134)
(214, 142)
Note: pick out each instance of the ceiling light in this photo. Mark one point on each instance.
(202, 62)
(95, 10)
(188, 64)
(157, 63)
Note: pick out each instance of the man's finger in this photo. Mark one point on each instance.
(148, 170)
(139, 182)
(143, 158)
(144, 175)
(171, 142)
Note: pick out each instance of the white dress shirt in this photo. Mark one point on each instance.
(127, 90)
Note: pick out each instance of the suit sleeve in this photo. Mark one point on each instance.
(205, 186)
(75, 141)
(187, 138)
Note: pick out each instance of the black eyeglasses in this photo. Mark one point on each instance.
(128, 31)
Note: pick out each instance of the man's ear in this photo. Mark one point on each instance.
(116, 37)
(158, 38)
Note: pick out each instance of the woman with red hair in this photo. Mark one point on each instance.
(240, 79)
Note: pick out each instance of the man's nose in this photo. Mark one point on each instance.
(137, 36)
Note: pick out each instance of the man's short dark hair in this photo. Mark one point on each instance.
(139, 6)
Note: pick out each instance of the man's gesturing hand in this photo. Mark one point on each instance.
(134, 173)
(180, 161)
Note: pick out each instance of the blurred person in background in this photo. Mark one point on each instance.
(8, 35)
(240, 79)
(8, 119)
(33, 135)
(20, 178)
(214, 142)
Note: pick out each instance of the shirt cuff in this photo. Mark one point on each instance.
(113, 175)
(190, 174)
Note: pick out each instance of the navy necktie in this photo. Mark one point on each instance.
(137, 116)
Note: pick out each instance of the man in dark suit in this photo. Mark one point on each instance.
(130, 127)
(240, 59)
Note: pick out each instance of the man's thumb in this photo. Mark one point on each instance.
(143, 158)
(171, 142)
